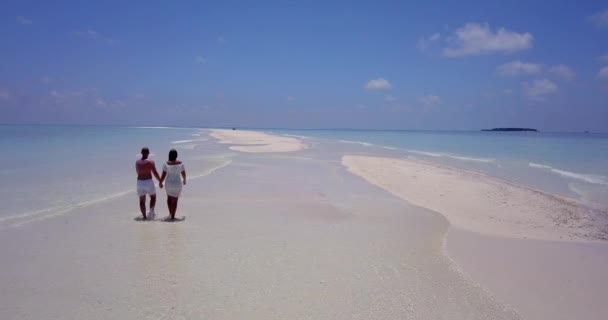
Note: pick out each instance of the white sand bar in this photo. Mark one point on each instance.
(265, 237)
(252, 141)
(476, 202)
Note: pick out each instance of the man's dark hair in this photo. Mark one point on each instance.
(145, 150)
(172, 155)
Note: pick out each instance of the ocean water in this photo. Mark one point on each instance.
(570, 164)
(47, 171)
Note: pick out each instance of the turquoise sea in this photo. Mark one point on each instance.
(571, 164)
(49, 170)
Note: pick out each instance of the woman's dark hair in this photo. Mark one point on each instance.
(172, 155)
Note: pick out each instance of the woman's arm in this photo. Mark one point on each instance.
(162, 178)
(184, 176)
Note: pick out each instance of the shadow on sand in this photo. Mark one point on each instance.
(165, 219)
(178, 219)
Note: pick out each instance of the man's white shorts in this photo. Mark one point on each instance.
(145, 187)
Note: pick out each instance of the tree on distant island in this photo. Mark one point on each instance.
(510, 129)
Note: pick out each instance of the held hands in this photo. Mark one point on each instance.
(160, 185)
(184, 182)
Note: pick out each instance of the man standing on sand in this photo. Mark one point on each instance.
(145, 185)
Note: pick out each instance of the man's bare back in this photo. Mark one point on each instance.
(145, 168)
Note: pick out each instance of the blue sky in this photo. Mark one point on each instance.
(382, 65)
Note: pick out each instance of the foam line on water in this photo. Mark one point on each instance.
(39, 215)
(188, 141)
(55, 212)
(155, 128)
(211, 170)
(452, 156)
(357, 142)
(589, 178)
(295, 136)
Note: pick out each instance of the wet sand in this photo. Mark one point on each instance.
(286, 235)
(269, 236)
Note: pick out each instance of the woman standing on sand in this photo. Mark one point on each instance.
(172, 170)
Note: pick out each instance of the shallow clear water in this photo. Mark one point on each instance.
(49, 169)
(572, 164)
(46, 170)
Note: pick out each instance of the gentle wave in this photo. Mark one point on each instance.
(425, 153)
(188, 141)
(59, 211)
(453, 156)
(212, 169)
(154, 128)
(589, 178)
(295, 136)
(187, 146)
(357, 142)
(39, 215)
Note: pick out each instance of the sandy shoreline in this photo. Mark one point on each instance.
(252, 141)
(542, 254)
(269, 236)
(479, 203)
(282, 231)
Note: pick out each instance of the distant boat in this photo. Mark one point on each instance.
(510, 129)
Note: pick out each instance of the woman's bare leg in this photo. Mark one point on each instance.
(175, 206)
(171, 204)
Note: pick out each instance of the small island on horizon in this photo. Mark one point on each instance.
(510, 129)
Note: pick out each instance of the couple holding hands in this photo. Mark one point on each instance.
(173, 177)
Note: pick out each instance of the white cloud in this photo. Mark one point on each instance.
(474, 38)
(390, 98)
(83, 98)
(221, 40)
(563, 72)
(430, 100)
(424, 44)
(514, 68)
(110, 104)
(73, 93)
(507, 92)
(603, 58)
(539, 89)
(378, 84)
(200, 59)
(361, 106)
(603, 74)
(95, 36)
(23, 20)
(290, 98)
(599, 19)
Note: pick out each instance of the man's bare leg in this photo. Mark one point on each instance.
(142, 206)
(152, 202)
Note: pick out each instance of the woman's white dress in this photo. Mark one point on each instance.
(173, 181)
